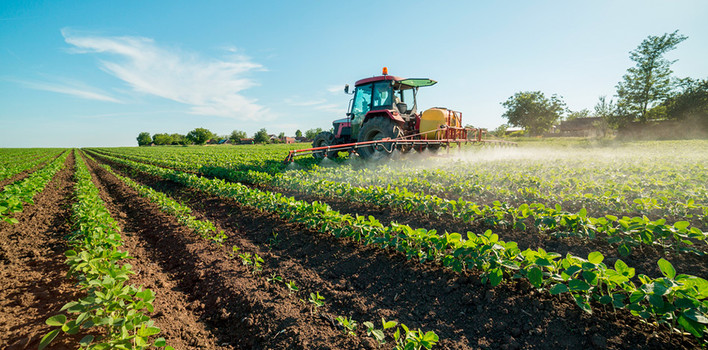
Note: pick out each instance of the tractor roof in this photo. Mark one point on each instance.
(412, 82)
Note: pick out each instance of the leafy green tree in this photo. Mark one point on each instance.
(178, 139)
(144, 139)
(298, 133)
(261, 136)
(237, 136)
(310, 134)
(690, 103)
(649, 80)
(162, 139)
(200, 136)
(281, 135)
(532, 111)
(500, 131)
(583, 113)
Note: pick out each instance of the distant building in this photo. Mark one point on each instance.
(288, 139)
(302, 139)
(246, 141)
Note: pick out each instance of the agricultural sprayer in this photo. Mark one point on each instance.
(383, 117)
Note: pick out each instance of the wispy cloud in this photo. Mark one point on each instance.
(74, 89)
(335, 88)
(207, 86)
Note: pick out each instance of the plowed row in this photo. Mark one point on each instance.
(205, 299)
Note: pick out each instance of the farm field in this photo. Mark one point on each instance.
(553, 244)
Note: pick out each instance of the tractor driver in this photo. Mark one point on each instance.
(382, 95)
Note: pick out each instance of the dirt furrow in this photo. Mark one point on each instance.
(32, 269)
(643, 258)
(372, 283)
(237, 308)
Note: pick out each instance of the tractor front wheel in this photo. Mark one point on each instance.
(323, 139)
(377, 129)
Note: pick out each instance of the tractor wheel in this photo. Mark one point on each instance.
(323, 139)
(376, 129)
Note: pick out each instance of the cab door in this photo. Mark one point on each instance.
(361, 106)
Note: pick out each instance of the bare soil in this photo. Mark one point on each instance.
(32, 269)
(247, 311)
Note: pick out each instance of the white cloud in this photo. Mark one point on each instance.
(207, 86)
(77, 90)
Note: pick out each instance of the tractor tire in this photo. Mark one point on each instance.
(323, 139)
(376, 129)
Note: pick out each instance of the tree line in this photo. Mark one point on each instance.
(647, 92)
(200, 136)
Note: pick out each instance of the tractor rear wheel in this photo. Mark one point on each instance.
(378, 128)
(323, 139)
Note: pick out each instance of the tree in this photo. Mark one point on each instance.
(281, 135)
(200, 136)
(500, 131)
(690, 103)
(144, 139)
(310, 134)
(298, 133)
(261, 136)
(237, 136)
(532, 111)
(583, 113)
(649, 80)
(178, 139)
(162, 139)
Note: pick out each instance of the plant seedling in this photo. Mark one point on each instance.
(348, 324)
(292, 288)
(316, 300)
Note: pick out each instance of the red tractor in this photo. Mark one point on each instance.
(383, 117)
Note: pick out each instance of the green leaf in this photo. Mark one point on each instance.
(691, 326)
(583, 303)
(558, 289)
(595, 258)
(681, 225)
(624, 249)
(695, 315)
(160, 342)
(576, 284)
(48, 339)
(495, 277)
(535, 276)
(666, 268)
(85, 341)
(56, 320)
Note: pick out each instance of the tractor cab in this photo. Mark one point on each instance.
(387, 96)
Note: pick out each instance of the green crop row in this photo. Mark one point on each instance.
(626, 232)
(113, 310)
(182, 213)
(638, 180)
(20, 163)
(14, 196)
(677, 300)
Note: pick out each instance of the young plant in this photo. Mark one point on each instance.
(257, 264)
(234, 252)
(292, 288)
(348, 325)
(414, 339)
(378, 334)
(274, 278)
(316, 300)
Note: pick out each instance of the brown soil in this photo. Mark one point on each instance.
(362, 282)
(32, 269)
(146, 233)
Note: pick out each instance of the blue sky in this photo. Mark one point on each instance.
(97, 73)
